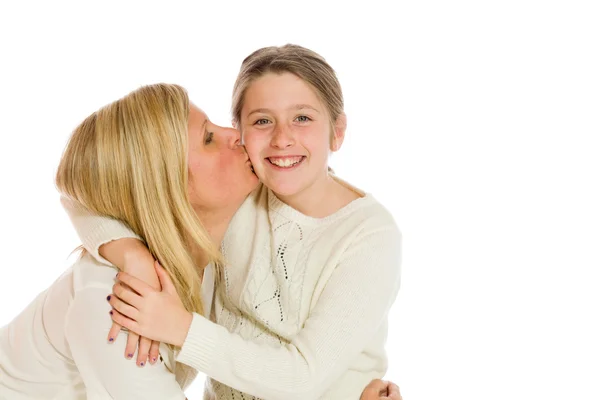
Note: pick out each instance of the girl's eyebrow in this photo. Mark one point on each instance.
(303, 106)
(294, 107)
(258, 110)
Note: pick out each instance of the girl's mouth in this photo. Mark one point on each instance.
(287, 162)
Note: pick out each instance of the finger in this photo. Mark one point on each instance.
(391, 397)
(124, 308)
(127, 294)
(165, 280)
(378, 386)
(132, 343)
(373, 390)
(136, 284)
(143, 350)
(125, 322)
(114, 331)
(393, 389)
(154, 349)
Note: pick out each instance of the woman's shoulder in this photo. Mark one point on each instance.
(88, 273)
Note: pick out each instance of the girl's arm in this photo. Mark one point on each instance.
(351, 309)
(94, 231)
(111, 242)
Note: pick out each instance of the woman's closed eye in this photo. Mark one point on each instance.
(208, 137)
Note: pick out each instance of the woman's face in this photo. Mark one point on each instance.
(220, 172)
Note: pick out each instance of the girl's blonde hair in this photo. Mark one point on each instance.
(129, 161)
(300, 61)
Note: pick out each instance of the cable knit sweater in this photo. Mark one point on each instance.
(302, 309)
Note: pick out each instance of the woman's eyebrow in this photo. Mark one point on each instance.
(203, 130)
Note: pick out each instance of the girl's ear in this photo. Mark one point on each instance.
(236, 126)
(339, 132)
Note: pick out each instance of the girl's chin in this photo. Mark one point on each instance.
(283, 190)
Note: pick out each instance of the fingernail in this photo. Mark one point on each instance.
(111, 339)
(129, 355)
(142, 364)
(108, 298)
(110, 312)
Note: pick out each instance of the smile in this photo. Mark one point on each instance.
(286, 162)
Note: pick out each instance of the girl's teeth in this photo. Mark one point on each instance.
(285, 162)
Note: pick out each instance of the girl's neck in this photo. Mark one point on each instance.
(321, 199)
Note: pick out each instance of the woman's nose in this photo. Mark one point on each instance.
(231, 137)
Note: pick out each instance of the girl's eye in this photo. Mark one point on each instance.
(262, 121)
(208, 138)
(302, 118)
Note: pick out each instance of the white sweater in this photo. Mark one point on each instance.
(57, 347)
(302, 311)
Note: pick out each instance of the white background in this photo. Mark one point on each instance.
(475, 122)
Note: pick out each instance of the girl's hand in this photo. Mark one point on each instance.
(132, 256)
(381, 390)
(156, 314)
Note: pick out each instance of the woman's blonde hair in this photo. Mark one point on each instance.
(129, 161)
(300, 61)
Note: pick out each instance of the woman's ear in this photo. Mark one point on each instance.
(339, 132)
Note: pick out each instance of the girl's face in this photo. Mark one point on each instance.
(287, 132)
(220, 174)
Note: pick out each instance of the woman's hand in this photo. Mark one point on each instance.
(381, 390)
(156, 314)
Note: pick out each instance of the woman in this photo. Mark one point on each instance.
(149, 154)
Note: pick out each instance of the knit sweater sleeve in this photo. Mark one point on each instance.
(353, 305)
(95, 230)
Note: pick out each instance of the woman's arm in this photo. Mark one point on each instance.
(111, 242)
(104, 370)
(352, 307)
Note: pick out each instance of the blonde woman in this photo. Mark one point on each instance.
(155, 162)
(143, 160)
